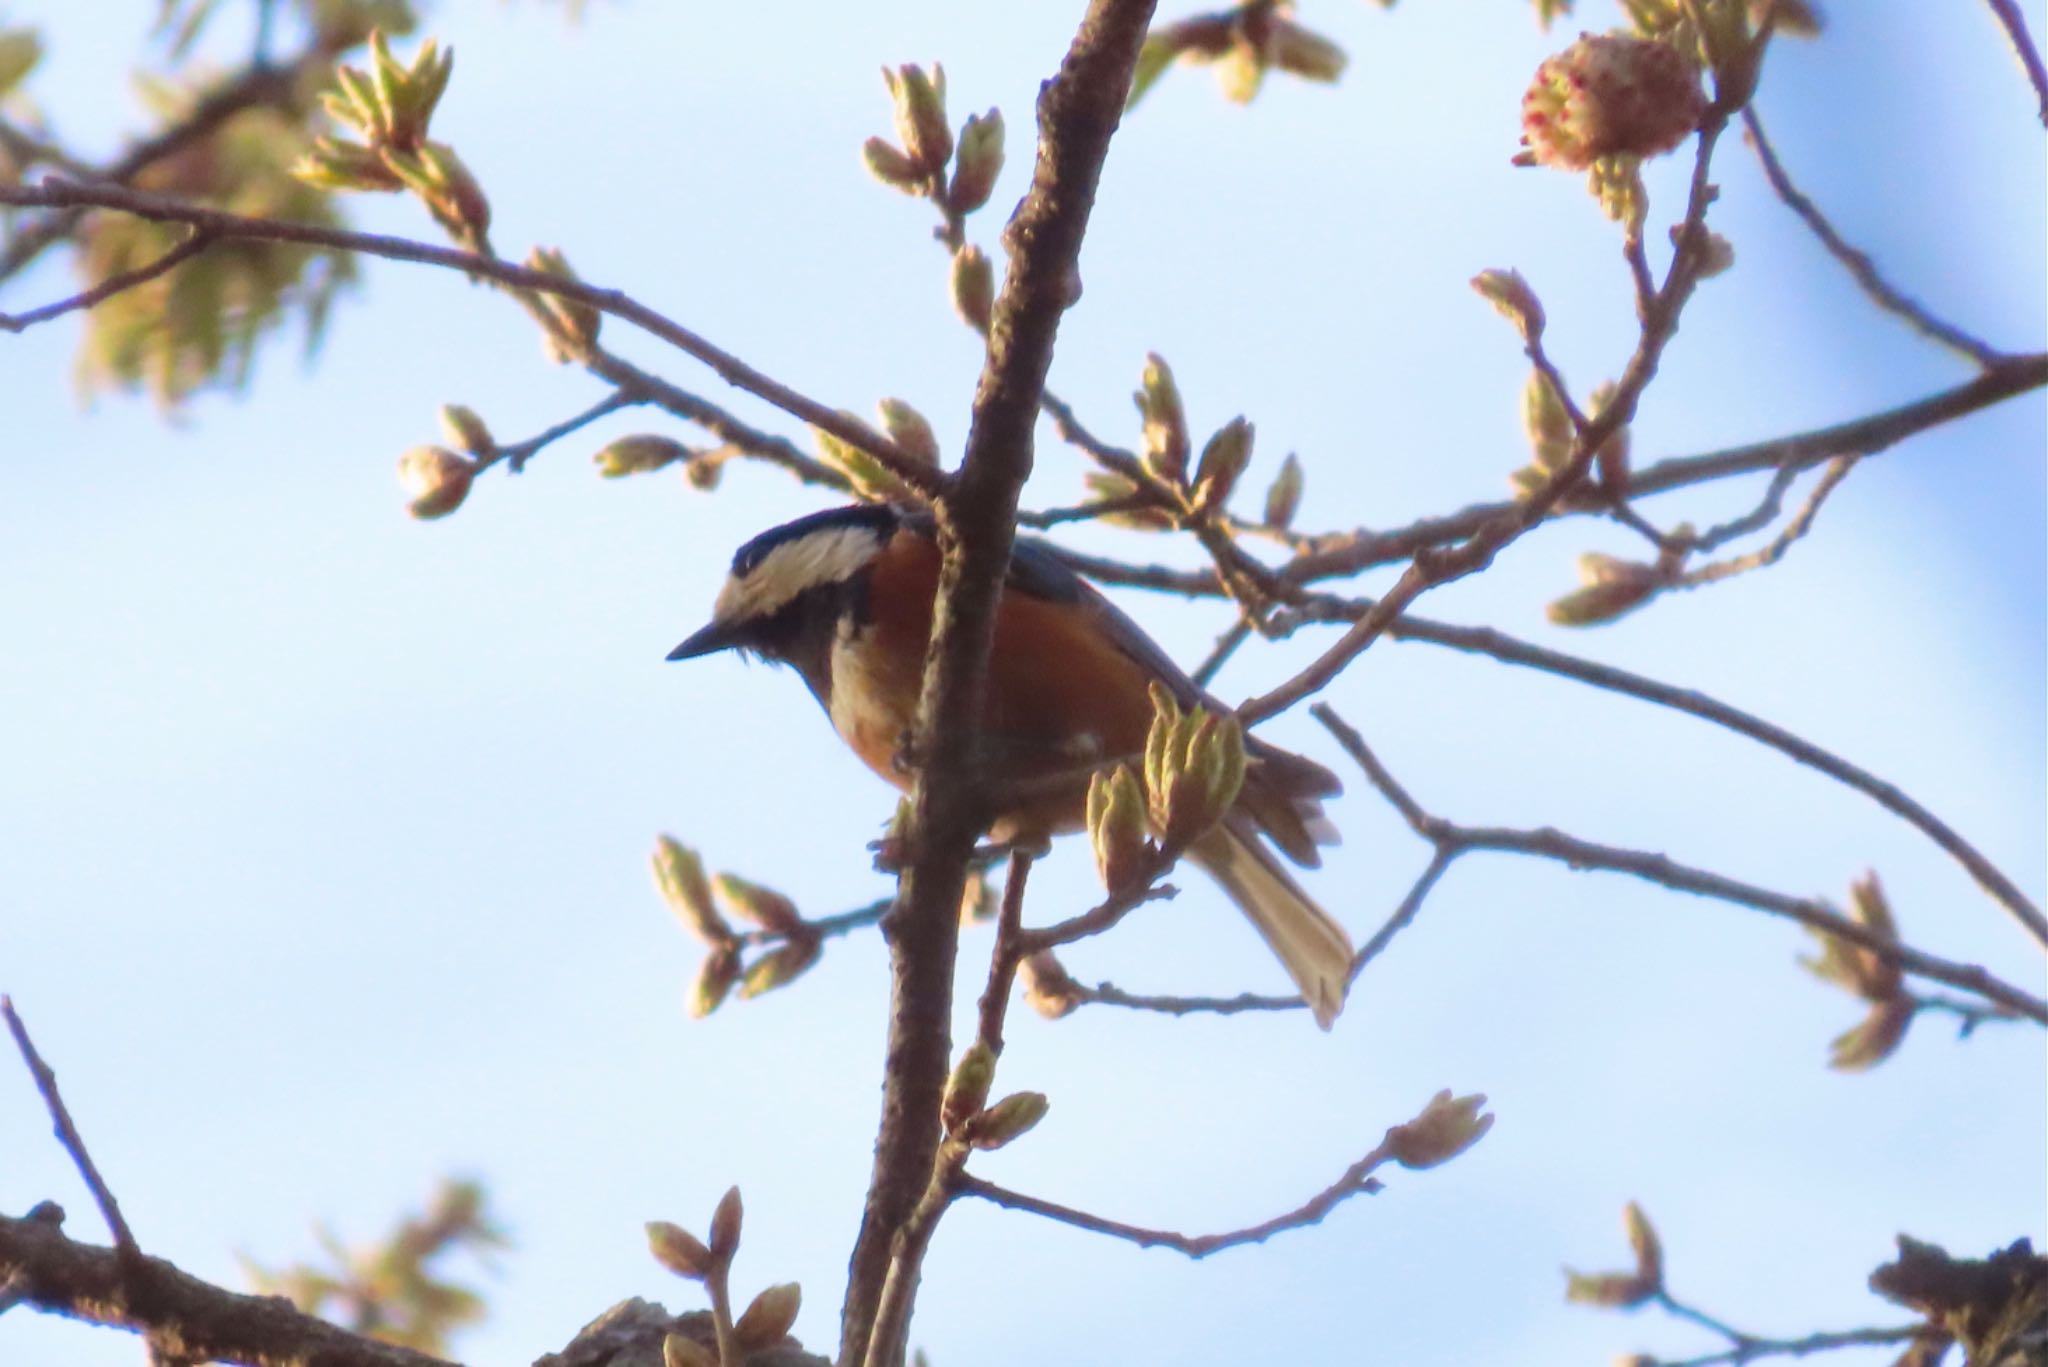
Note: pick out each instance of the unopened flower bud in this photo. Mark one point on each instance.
(1006, 1120)
(678, 1250)
(768, 1317)
(1446, 1128)
(974, 287)
(967, 1087)
(725, 1225)
(1510, 293)
(979, 162)
(1608, 95)
(437, 479)
(638, 454)
(921, 127)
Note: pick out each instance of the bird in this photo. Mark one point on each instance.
(844, 597)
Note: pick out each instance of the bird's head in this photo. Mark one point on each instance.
(789, 586)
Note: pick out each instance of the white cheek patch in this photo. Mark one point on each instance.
(807, 562)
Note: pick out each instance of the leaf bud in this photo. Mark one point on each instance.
(1283, 496)
(1304, 52)
(909, 430)
(679, 873)
(715, 979)
(1612, 588)
(1224, 458)
(678, 1250)
(780, 967)
(1116, 829)
(725, 1226)
(638, 454)
(1048, 988)
(1006, 1120)
(1446, 1128)
(886, 163)
(967, 1087)
(465, 430)
(1166, 426)
(761, 906)
(577, 321)
(437, 479)
(974, 287)
(1547, 423)
(979, 162)
(1874, 1038)
(1643, 1241)
(767, 1319)
(1610, 1290)
(1510, 293)
(678, 1351)
(921, 126)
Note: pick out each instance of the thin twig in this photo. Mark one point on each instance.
(194, 243)
(518, 453)
(730, 368)
(1508, 650)
(1857, 262)
(1763, 515)
(1404, 914)
(1219, 654)
(1800, 523)
(1109, 994)
(67, 1134)
(1356, 1181)
(2015, 25)
(1581, 855)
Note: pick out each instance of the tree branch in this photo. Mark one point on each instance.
(1079, 110)
(730, 368)
(1577, 854)
(1356, 1181)
(196, 242)
(2015, 25)
(184, 1318)
(68, 1135)
(1858, 263)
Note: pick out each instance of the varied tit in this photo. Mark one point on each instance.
(845, 598)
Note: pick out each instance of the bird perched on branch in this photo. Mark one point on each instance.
(845, 598)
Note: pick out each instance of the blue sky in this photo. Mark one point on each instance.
(326, 831)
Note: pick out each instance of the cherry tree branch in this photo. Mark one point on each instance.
(730, 368)
(976, 513)
(1856, 262)
(1581, 855)
(2014, 23)
(68, 1135)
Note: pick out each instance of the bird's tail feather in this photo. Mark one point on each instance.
(1315, 950)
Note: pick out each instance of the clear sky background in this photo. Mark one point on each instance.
(324, 832)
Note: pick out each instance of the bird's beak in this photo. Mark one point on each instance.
(715, 637)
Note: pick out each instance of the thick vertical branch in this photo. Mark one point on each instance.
(1078, 113)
